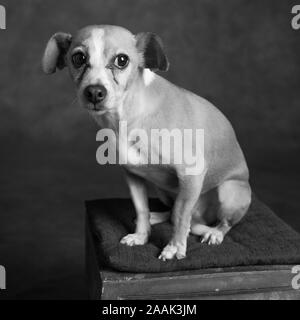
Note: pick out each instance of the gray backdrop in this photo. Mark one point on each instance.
(242, 55)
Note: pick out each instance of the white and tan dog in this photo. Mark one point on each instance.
(114, 74)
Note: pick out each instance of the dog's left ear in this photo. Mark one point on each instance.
(55, 52)
(152, 48)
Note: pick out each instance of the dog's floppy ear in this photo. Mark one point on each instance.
(153, 52)
(56, 49)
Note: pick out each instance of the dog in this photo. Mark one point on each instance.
(115, 75)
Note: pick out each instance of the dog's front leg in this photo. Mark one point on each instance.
(189, 192)
(139, 197)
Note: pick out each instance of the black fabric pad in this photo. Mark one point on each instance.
(261, 238)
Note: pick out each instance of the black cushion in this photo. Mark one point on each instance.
(261, 238)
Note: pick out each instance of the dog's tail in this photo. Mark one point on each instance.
(159, 217)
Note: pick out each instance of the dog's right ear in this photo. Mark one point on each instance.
(55, 52)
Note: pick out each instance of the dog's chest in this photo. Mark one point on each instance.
(160, 176)
(139, 163)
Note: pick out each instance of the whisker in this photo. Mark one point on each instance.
(73, 102)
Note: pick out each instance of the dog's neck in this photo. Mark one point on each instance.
(134, 107)
(139, 102)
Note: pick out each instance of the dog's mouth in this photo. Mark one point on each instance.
(97, 108)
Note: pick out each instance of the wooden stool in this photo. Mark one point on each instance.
(241, 282)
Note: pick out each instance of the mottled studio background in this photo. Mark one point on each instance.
(242, 55)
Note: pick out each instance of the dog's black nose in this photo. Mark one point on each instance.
(95, 93)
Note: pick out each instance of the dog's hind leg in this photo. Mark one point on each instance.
(234, 198)
(159, 217)
(210, 235)
(199, 225)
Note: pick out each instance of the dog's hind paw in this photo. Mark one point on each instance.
(213, 236)
(171, 251)
(135, 239)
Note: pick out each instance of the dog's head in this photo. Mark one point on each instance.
(104, 62)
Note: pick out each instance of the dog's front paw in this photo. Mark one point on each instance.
(213, 236)
(135, 239)
(172, 250)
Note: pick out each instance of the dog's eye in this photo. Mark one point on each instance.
(78, 59)
(121, 61)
